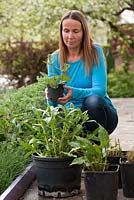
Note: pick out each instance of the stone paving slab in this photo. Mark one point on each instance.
(32, 194)
(125, 129)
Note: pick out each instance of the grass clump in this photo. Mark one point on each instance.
(12, 163)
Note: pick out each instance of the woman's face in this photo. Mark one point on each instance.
(72, 33)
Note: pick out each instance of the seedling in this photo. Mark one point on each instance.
(55, 80)
(115, 150)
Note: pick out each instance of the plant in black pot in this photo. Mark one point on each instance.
(55, 83)
(115, 149)
(127, 174)
(101, 179)
(51, 133)
(115, 153)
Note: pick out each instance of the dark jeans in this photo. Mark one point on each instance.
(101, 112)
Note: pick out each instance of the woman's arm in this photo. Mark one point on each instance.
(98, 82)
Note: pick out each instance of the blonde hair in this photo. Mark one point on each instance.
(88, 51)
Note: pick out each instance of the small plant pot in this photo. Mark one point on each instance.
(55, 93)
(116, 160)
(127, 176)
(102, 185)
(56, 177)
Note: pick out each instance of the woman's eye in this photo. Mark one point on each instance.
(66, 30)
(76, 31)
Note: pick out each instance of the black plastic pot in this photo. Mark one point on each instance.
(55, 93)
(116, 160)
(56, 177)
(127, 176)
(102, 185)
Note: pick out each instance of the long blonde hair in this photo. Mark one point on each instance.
(89, 53)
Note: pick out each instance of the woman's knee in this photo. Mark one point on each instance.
(93, 101)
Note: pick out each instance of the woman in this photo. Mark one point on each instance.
(87, 69)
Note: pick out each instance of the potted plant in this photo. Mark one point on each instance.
(115, 153)
(127, 174)
(101, 179)
(51, 133)
(55, 83)
(115, 149)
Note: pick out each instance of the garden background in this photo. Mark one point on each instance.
(29, 32)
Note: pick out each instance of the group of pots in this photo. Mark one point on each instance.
(57, 178)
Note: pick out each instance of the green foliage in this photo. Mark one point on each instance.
(110, 61)
(18, 106)
(115, 149)
(33, 19)
(52, 130)
(120, 84)
(94, 150)
(4, 125)
(12, 163)
(57, 80)
(23, 99)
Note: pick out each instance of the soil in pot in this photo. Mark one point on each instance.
(55, 93)
(56, 177)
(102, 185)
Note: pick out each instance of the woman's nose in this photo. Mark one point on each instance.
(70, 35)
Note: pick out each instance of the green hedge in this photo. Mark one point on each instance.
(19, 105)
(121, 84)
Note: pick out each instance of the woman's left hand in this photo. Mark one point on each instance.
(65, 99)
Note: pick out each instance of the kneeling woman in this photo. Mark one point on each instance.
(87, 87)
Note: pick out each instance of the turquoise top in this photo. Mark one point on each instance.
(83, 84)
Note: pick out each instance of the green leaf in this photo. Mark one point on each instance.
(78, 161)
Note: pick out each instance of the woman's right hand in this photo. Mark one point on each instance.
(65, 99)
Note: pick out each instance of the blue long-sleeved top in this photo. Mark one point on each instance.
(83, 84)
